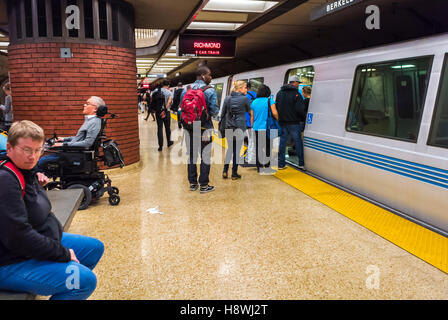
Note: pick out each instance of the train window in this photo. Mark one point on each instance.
(306, 75)
(218, 88)
(388, 97)
(439, 129)
(255, 83)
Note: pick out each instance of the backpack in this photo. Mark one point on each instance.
(158, 101)
(112, 154)
(194, 107)
(11, 167)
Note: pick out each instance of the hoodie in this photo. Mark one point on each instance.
(290, 105)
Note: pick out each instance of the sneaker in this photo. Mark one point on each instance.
(225, 175)
(170, 143)
(267, 171)
(194, 187)
(282, 168)
(207, 188)
(236, 176)
(160, 149)
(302, 168)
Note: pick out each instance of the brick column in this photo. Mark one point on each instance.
(51, 91)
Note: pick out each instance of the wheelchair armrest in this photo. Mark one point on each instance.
(72, 149)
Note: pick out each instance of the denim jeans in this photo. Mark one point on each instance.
(295, 131)
(60, 280)
(41, 164)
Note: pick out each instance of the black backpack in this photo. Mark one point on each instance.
(158, 101)
(112, 154)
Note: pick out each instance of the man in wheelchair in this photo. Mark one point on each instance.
(86, 135)
(73, 162)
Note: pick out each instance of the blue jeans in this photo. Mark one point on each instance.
(295, 131)
(60, 280)
(54, 157)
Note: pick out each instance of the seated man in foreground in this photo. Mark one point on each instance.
(35, 254)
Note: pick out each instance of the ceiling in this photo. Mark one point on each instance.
(291, 36)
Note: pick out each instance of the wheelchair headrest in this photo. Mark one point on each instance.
(102, 111)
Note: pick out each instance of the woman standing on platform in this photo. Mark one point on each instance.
(234, 110)
(260, 109)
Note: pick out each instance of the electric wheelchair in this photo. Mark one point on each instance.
(78, 167)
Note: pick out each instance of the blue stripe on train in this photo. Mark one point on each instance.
(360, 156)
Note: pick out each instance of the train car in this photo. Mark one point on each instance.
(221, 86)
(377, 124)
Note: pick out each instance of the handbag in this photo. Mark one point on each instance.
(272, 124)
(223, 123)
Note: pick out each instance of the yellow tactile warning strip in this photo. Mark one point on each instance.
(417, 240)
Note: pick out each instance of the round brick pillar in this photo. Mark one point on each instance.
(50, 90)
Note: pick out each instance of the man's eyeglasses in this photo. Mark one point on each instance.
(30, 151)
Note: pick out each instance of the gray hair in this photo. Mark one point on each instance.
(98, 101)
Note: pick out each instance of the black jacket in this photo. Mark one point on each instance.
(290, 105)
(234, 109)
(28, 228)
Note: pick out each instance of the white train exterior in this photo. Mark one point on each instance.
(410, 177)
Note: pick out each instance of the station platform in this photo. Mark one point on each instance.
(255, 238)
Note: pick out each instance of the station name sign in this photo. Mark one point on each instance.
(331, 7)
(210, 46)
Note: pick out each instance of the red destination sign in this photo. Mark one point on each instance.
(206, 46)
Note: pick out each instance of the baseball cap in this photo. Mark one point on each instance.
(294, 79)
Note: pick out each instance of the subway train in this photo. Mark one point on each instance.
(377, 124)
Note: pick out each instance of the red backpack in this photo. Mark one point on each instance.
(194, 107)
(11, 167)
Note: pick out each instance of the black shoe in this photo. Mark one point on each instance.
(194, 187)
(160, 149)
(236, 176)
(170, 143)
(207, 188)
(225, 175)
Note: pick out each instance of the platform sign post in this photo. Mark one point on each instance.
(210, 46)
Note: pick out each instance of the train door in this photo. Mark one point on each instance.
(306, 75)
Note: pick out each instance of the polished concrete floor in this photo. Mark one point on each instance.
(257, 238)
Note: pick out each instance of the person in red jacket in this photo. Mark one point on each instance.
(35, 254)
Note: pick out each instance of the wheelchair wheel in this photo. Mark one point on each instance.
(115, 190)
(114, 199)
(85, 202)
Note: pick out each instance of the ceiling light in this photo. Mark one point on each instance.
(239, 5)
(214, 26)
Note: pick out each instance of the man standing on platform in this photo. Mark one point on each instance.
(161, 100)
(203, 79)
(290, 107)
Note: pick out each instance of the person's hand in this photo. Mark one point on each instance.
(73, 256)
(42, 179)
